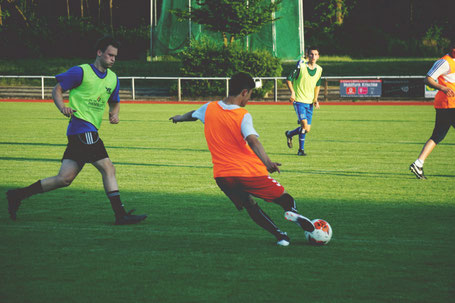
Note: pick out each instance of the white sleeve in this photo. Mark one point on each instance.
(247, 126)
(200, 113)
(440, 67)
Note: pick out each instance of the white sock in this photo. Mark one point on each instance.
(419, 163)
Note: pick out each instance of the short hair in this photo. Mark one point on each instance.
(104, 42)
(239, 82)
(312, 48)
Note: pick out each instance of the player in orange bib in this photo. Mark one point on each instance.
(441, 77)
(241, 166)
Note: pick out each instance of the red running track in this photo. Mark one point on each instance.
(250, 103)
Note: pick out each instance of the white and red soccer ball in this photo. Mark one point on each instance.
(321, 234)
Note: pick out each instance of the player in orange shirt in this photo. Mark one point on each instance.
(241, 166)
(441, 77)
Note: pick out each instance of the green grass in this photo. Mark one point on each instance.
(393, 234)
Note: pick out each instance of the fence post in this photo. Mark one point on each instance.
(326, 89)
(276, 89)
(42, 88)
(133, 89)
(179, 89)
(227, 87)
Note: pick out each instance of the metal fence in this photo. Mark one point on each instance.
(330, 88)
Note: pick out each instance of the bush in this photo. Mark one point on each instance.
(205, 58)
(67, 38)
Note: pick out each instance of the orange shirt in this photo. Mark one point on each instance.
(441, 100)
(231, 155)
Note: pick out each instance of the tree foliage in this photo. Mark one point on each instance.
(233, 18)
(208, 59)
(49, 28)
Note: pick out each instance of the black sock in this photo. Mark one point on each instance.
(116, 203)
(25, 192)
(263, 220)
(287, 203)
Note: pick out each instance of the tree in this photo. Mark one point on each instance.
(14, 6)
(110, 16)
(333, 12)
(233, 18)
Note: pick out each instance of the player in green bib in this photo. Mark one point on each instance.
(92, 87)
(304, 83)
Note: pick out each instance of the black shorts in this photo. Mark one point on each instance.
(444, 119)
(85, 148)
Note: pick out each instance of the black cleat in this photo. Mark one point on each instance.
(418, 171)
(304, 222)
(129, 219)
(288, 139)
(301, 152)
(13, 203)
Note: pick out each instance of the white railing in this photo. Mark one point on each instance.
(180, 79)
(32, 77)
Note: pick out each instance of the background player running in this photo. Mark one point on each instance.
(304, 83)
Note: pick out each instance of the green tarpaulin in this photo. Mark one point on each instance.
(283, 38)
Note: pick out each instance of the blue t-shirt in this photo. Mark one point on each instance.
(72, 78)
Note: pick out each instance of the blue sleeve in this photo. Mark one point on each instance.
(115, 97)
(71, 78)
(200, 113)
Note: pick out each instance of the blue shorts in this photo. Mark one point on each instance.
(304, 111)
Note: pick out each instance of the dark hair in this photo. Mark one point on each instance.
(239, 82)
(104, 42)
(312, 48)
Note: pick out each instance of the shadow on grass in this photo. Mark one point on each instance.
(108, 147)
(351, 174)
(115, 163)
(190, 239)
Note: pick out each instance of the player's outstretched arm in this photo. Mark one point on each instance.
(259, 150)
(182, 118)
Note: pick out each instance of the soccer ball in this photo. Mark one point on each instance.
(321, 234)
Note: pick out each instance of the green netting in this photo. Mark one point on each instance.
(283, 38)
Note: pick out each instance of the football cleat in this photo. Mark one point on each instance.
(418, 171)
(301, 152)
(129, 218)
(302, 221)
(288, 139)
(13, 203)
(283, 239)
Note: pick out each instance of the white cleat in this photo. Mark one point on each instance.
(283, 240)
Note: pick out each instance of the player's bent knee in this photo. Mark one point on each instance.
(66, 180)
(438, 138)
(249, 204)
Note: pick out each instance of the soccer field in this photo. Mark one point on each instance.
(393, 235)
